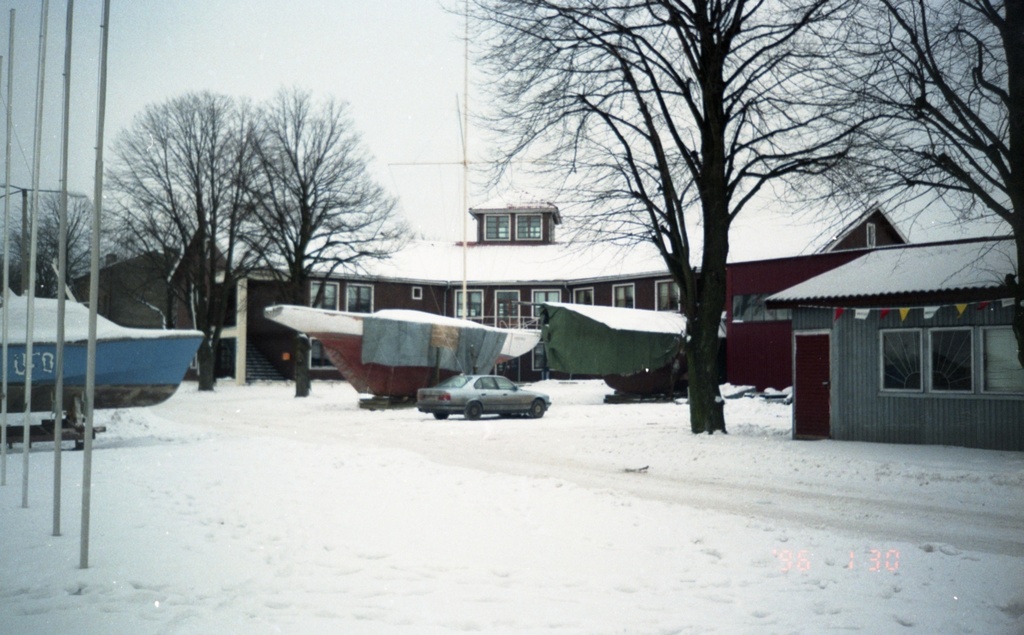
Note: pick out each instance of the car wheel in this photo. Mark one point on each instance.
(474, 410)
(440, 415)
(537, 409)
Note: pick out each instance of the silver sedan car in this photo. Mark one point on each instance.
(476, 395)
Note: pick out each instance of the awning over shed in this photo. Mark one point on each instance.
(600, 340)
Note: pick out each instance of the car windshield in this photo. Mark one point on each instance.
(457, 381)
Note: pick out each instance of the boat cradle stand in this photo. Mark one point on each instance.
(45, 431)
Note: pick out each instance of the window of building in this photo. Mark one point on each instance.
(540, 357)
(583, 296)
(668, 295)
(871, 234)
(528, 227)
(326, 300)
(496, 227)
(1001, 372)
(318, 355)
(417, 293)
(506, 304)
(751, 308)
(541, 296)
(901, 360)
(622, 295)
(359, 298)
(951, 355)
(474, 304)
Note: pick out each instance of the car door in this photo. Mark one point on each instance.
(514, 399)
(488, 394)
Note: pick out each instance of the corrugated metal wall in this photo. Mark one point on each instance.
(861, 411)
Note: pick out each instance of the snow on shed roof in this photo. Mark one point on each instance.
(440, 262)
(621, 319)
(929, 268)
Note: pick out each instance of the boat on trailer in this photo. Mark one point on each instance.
(394, 352)
(134, 367)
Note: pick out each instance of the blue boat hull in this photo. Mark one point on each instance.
(129, 372)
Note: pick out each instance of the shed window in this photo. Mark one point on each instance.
(318, 355)
(951, 360)
(668, 295)
(323, 295)
(583, 296)
(901, 360)
(474, 304)
(751, 308)
(1001, 372)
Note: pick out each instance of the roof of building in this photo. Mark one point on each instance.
(431, 262)
(968, 267)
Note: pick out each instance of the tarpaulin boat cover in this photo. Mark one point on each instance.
(464, 349)
(600, 340)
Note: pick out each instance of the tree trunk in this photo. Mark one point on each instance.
(302, 383)
(206, 359)
(1017, 288)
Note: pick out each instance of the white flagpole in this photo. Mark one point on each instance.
(62, 265)
(94, 291)
(7, 261)
(33, 249)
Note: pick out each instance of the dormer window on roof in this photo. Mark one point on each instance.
(526, 224)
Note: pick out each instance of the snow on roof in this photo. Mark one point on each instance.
(440, 262)
(621, 319)
(912, 269)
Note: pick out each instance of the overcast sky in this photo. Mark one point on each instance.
(398, 63)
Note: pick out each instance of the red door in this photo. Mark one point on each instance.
(811, 392)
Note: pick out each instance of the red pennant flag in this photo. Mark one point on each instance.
(983, 305)
(883, 313)
(838, 313)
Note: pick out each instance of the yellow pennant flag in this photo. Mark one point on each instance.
(904, 313)
(960, 308)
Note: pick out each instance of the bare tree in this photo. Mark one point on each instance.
(318, 209)
(667, 117)
(79, 219)
(949, 77)
(182, 172)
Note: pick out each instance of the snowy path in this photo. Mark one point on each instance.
(248, 511)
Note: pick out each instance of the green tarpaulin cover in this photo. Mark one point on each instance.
(598, 340)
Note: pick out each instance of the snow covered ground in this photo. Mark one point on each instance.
(249, 511)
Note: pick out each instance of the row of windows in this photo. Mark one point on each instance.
(508, 302)
(947, 360)
(528, 227)
(359, 298)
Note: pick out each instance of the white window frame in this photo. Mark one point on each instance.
(313, 343)
(417, 293)
(352, 286)
(970, 358)
(590, 289)
(314, 288)
(982, 357)
(657, 294)
(514, 313)
(533, 357)
(470, 293)
(508, 227)
(632, 294)
(922, 363)
(540, 227)
(538, 301)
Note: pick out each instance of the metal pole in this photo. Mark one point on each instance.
(62, 265)
(33, 249)
(94, 292)
(7, 261)
(465, 165)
